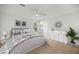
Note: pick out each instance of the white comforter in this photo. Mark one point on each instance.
(5, 49)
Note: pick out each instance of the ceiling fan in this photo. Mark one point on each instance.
(22, 5)
(39, 13)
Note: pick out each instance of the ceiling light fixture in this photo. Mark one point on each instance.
(39, 13)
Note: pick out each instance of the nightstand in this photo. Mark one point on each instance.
(1, 43)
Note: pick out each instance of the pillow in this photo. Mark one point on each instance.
(26, 30)
(16, 32)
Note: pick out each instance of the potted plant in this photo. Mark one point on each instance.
(72, 34)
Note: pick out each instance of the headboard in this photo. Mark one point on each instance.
(17, 31)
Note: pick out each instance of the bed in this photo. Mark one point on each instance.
(22, 41)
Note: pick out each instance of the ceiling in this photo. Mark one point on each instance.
(49, 10)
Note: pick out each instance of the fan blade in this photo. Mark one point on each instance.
(22, 5)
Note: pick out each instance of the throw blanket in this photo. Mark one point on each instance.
(7, 47)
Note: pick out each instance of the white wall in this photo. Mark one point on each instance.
(9, 13)
(69, 19)
(7, 21)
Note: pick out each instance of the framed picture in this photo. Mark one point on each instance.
(23, 23)
(18, 23)
(58, 24)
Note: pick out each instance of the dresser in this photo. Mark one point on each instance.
(59, 36)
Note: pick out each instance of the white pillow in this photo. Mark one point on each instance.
(26, 31)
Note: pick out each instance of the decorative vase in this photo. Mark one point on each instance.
(72, 41)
